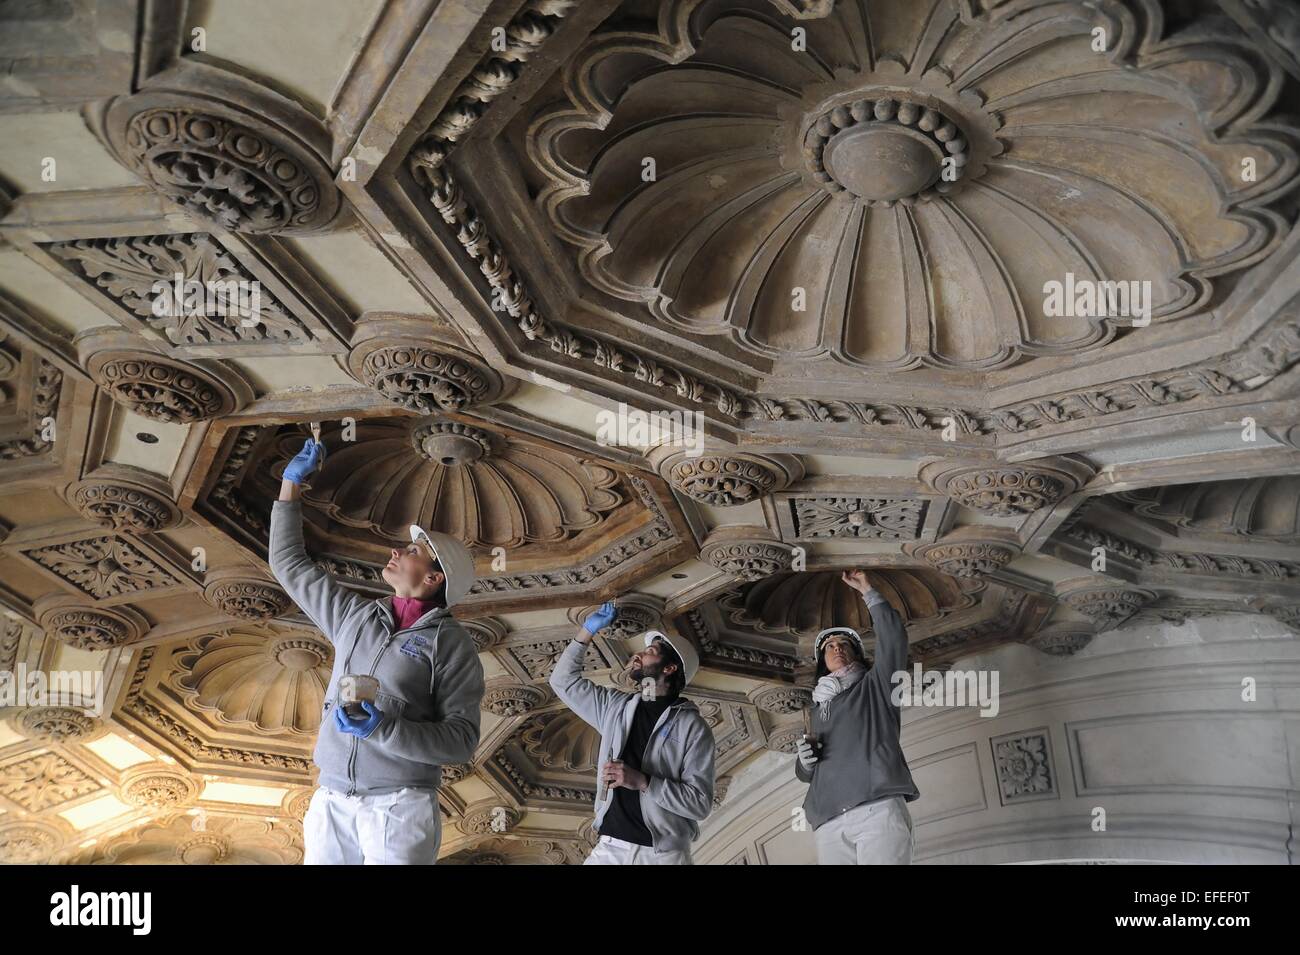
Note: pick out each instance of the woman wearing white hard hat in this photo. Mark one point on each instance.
(406, 670)
(859, 780)
(655, 776)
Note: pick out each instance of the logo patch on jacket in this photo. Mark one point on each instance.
(415, 646)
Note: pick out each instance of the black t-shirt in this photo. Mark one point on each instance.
(623, 818)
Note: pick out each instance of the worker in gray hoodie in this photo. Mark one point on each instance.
(859, 781)
(377, 801)
(655, 777)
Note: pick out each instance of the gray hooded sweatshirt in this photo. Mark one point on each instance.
(861, 759)
(678, 759)
(430, 677)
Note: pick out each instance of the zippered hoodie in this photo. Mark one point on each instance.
(430, 677)
(861, 759)
(678, 759)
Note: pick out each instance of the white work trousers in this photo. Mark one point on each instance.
(611, 851)
(400, 828)
(875, 833)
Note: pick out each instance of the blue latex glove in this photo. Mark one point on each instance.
(361, 728)
(304, 462)
(600, 618)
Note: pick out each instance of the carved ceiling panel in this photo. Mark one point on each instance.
(789, 204)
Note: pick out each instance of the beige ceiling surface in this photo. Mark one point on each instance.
(492, 243)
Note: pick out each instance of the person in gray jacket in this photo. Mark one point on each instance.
(377, 798)
(860, 783)
(655, 779)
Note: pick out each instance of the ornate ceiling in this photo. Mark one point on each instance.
(477, 236)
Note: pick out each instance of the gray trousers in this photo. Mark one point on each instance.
(875, 833)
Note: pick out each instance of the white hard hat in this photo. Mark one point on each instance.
(690, 659)
(843, 632)
(452, 556)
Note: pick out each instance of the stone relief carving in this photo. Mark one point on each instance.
(868, 518)
(217, 311)
(165, 389)
(1024, 767)
(482, 488)
(425, 379)
(752, 217)
(726, 480)
(247, 598)
(55, 724)
(44, 403)
(749, 553)
(103, 567)
(123, 508)
(228, 151)
(44, 781)
(86, 628)
(268, 678)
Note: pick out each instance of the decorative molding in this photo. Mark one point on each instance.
(861, 518)
(806, 602)
(91, 628)
(514, 699)
(560, 741)
(972, 552)
(104, 567)
(782, 700)
(634, 614)
(1182, 562)
(485, 489)
(1108, 606)
(228, 151)
(44, 403)
(159, 789)
(28, 842)
(167, 389)
(1024, 766)
(57, 724)
(1267, 508)
(129, 270)
(486, 632)
(426, 379)
(44, 781)
(785, 740)
(489, 819)
(266, 678)
(147, 714)
(123, 508)
(749, 553)
(247, 598)
(1007, 489)
(896, 152)
(492, 76)
(725, 480)
(1059, 641)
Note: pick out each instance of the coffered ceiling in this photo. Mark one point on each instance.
(481, 232)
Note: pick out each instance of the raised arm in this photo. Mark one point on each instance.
(321, 598)
(458, 691)
(589, 701)
(891, 635)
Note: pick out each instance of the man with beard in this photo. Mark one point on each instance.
(655, 779)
